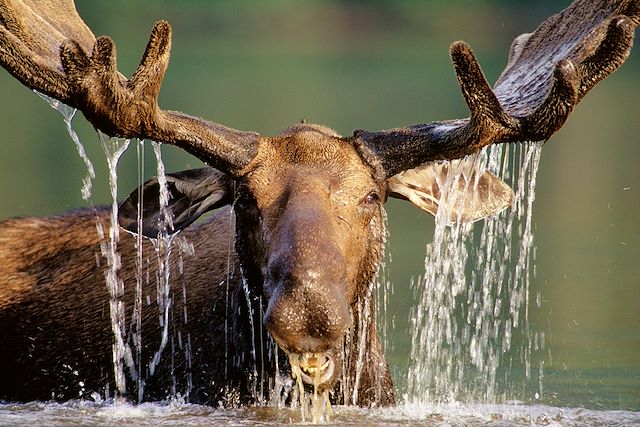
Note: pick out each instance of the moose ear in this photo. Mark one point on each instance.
(191, 194)
(473, 197)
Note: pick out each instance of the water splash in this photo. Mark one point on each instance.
(171, 414)
(474, 296)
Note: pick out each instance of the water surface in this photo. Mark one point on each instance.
(514, 414)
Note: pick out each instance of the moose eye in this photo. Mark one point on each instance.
(371, 198)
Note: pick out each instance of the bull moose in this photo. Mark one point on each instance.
(279, 281)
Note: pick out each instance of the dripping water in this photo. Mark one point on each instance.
(474, 296)
(123, 354)
(113, 149)
(137, 309)
(347, 357)
(315, 406)
(227, 296)
(250, 314)
(185, 248)
(162, 246)
(363, 308)
(383, 292)
(68, 113)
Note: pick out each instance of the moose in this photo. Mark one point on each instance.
(279, 280)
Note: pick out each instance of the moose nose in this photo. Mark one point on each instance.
(306, 319)
(306, 280)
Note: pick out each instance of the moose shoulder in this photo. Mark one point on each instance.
(297, 235)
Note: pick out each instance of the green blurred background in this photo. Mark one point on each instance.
(379, 64)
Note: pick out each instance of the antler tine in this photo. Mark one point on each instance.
(404, 148)
(548, 73)
(82, 73)
(129, 108)
(611, 53)
(482, 102)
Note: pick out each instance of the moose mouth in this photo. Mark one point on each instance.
(312, 368)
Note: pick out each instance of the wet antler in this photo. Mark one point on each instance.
(548, 73)
(48, 48)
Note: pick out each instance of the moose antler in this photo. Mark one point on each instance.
(48, 48)
(548, 73)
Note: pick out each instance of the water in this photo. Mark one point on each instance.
(363, 308)
(177, 413)
(137, 309)
(113, 149)
(314, 406)
(163, 246)
(474, 295)
(68, 113)
(124, 356)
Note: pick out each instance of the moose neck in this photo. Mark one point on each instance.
(366, 378)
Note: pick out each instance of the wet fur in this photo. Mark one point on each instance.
(56, 329)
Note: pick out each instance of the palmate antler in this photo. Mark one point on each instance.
(48, 48)
(548, 73)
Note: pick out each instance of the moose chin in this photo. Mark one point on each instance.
(279, 281)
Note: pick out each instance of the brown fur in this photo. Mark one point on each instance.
(54, 305)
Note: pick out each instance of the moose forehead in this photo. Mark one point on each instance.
(309, 159)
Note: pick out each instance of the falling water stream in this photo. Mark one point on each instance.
(162, 245)
(138, 303)
(68, 113)
(122, 354)
(124, 357)
(474, 294)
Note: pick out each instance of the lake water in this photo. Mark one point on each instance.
(515, 414)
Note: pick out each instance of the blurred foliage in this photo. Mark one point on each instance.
(380, 64)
